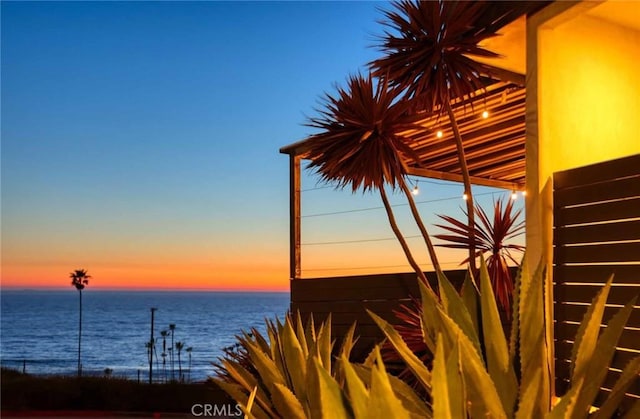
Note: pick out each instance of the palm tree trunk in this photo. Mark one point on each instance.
(467, 184)
(401, 239)
(189, 367)
(80, 335)
(171, 358)
(421, 226)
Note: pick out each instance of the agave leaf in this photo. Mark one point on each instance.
(287, 405)
(314, 403)
(480, 390)
(383, 402)
(252, 397)
(413, 362)
(471, 298)
(515, 317)
(330, 395)
(430, 319)
(258, 338)
(246, 380)
(533, 353)
(456, 309)
(565, 408)
(628, 376)
(295, 361)
(358, 393)
(599, 364)
(529, 400)
(587, 336)
(310, 333)
(324, 344)
(447, 384)
(239, 374)
(237, 394)
(495, 344)
(266, 367)
(300, 332)
(348, 341)
(274, 349)
(416, 406)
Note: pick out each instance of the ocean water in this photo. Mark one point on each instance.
(39, 329)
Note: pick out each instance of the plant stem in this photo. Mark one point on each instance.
(467, 184)
(80, 335)
(421, 226)
(401, 239)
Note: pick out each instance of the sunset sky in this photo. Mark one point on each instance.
(140, 142)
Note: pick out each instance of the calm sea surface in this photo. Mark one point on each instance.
(41, 327)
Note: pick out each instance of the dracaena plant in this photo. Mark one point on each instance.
(492, 241)
(477, 372)
(360, 145)
(429, 49)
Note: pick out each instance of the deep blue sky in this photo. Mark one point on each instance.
(140, 139)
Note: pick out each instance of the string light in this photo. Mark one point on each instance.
(485, 114)
(514, 195)
(439, 134)
(524, 193)
(416, 190)
(465, 196)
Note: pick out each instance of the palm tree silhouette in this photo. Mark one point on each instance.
(189, 349)
(172, 328)
(429, 60)
(179, 347)
(164, 334)
(360, 146)
(149, 346)
(79, 279)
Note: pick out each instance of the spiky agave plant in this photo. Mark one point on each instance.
(294, 375)
(428, 52)
(474, 369)
(359, 146)
(491, 239)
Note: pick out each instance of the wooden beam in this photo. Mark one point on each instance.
(505, 75)
(437, 174)
(294, 217)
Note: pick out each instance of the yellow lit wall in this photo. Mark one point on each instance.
(583, 102)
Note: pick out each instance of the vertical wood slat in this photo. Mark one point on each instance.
(596, 233)
(295, 226)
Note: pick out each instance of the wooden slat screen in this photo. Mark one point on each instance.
(596, 234)
(347, 299)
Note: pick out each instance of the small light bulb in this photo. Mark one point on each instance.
(415, 190)
(485, 114)
(524, 193)
(439, 134)
(514, 195)
(464, 196)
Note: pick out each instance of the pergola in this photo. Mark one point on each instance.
(492, 126)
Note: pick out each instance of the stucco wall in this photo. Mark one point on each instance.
(583, 105)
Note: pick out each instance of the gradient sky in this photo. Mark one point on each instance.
(140, 142)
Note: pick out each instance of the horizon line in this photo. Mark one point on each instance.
(145, 289)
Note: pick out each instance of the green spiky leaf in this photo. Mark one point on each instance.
(629, 375)
(413, 362)
(602, 356)
(287, 405)
(587, 336)
(495, 344)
